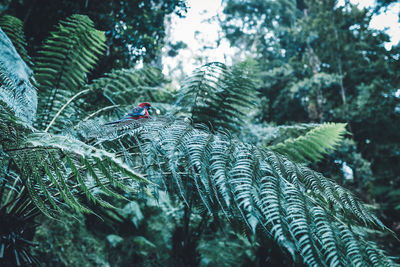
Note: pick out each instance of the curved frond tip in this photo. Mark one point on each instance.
(312, 145)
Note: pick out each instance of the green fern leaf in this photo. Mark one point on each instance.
(64, 61)
(218, 95)
(121, 88)
(57, 169)
(13, 27)
(312, 145)
(307, 214)
(17, 94)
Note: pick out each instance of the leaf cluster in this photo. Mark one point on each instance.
(220, 95)
(307, 214)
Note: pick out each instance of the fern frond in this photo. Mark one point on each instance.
(69, 54)
(64, 61)
(17, 215)
(120, 86)
(306, 213)
(58, 169)
(13, 27)
(125, 86)
(270, 135)
(219, 95)
(17, 95)
(312, 145)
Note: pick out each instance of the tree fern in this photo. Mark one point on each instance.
(312, 145)
(69, 92)
(16, 91)
(125, 86)
(17, 110)
(13, 27)
(122, 88)
(273, 135)
(57, 169)
(48, 174)
(303, 142)
(63, 62)
(220, 95)
(17, 216)
(306, 213)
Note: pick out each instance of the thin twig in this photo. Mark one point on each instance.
(99, 111)
(63, 107)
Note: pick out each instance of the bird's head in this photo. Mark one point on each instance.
(145, 105)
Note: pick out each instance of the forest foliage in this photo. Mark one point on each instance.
(235, 148)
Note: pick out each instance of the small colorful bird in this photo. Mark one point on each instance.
(139, 112)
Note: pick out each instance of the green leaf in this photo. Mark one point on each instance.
(65, 168)
(219, 95)
(312, 145)
(306, 213)
(13, 27)
(64, 61)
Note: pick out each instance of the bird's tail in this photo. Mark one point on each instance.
(113, 122)
(126, 117)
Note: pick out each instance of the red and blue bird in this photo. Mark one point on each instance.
(139, 112)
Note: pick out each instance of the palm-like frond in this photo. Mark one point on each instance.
(127, 86)
(69, 54)
(64, 61)
(273, 135)
(219, 95)
(17, 215)
(13, 27)
(16, 96)
(17, 212)
(123, 88)
(16, 91)
(306, 213)
(313, 144)
(57, 169)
